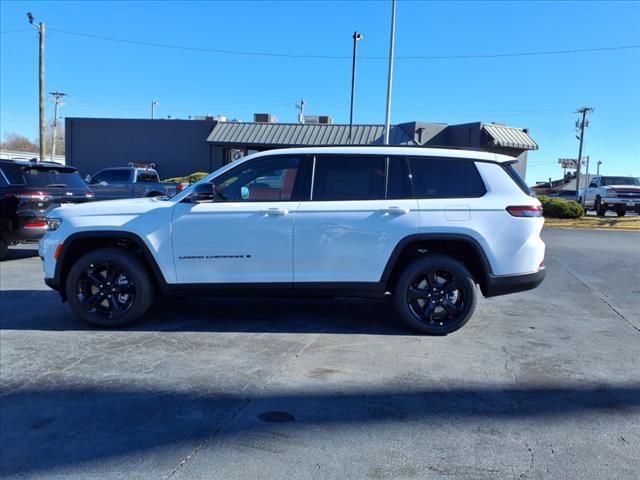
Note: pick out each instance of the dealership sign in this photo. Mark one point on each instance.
(568, 162)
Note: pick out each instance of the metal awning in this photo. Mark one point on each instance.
(288, 134)
(510, 137)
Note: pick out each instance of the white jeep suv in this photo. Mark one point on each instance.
(425, 226)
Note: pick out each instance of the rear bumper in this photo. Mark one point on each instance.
(505, 284)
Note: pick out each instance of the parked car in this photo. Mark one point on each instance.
(620, 194)
(566, 195)
(422, 225)
(27, 191)
(130, 182)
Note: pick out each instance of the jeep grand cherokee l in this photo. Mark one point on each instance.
(428, 227)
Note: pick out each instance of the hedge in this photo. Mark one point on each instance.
(560, 208)
(193, 178)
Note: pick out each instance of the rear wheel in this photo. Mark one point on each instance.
(621, 212)
(109, 288)
(600, 210)
(435, 295)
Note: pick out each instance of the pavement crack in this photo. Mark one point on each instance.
(247, 401)
(531, 460)
(599, 294)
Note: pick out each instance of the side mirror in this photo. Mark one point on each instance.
(203, 193)
(87, 179)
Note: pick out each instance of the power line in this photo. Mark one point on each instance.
(339, 57)
(17, 31)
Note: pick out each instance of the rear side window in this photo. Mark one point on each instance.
(398, 179)
(147, 177)
(349, 178)
(445, 178)
(515, 176)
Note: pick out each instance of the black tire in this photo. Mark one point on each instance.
(600, 210)
(109, 288)
(4, 246)
(621, 212)
(444, 282)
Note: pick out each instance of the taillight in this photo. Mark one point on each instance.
(30, 196)
(525, 211)
(88, 194)
(35, 225)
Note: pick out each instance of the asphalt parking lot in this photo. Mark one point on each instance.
(543, 384)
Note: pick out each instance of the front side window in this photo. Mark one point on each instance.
(349, 178)
(269, 179)
(112, 176)
(445, 178)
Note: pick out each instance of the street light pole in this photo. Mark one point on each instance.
(390, 78)
(153, 108)
(356, 38)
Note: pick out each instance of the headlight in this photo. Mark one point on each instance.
(53, 223)
(610, 193)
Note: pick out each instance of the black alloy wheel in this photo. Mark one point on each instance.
(109, 287)
(436, 295)
(105, 289)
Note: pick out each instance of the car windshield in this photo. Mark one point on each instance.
(621, 181)
(40, 177)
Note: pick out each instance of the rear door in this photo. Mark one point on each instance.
(361, 207)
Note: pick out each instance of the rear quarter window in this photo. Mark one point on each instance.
(445, 178)
(515, 176)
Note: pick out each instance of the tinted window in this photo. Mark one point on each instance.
(112, 176)
(349, 178)
(147, 177)
(620, 181)
(269, 179)
(398, 180)
(445, 178)
(42, 177)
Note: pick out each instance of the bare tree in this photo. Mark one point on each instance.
(19, 143)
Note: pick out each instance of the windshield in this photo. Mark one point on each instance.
(40, 177)
(620, 181)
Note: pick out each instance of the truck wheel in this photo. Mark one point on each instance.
(109, 288)
(4, 246)
(600, 210)
(154, 194)
(621, 212)
(435, 295)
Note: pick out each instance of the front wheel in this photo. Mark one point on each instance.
(4, 246)
(109, 288)
(600, 210)
(436, 295)
(621, 212)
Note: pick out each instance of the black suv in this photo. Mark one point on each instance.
(27, 191)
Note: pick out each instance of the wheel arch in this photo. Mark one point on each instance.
(461, 247)
(81, 243)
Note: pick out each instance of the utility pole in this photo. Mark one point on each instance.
(41, 31)
(598, 167)
(356, 38)
(58, 103)
(581, 124)
(154, 104)
(300, 106)
(392, 40)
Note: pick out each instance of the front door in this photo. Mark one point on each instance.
(361, 207)
(246, 234)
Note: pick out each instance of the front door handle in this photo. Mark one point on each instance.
(394, 211)
(273, 211)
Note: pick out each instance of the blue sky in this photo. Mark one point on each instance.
(112, 79)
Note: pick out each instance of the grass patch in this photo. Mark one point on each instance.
(609, 223)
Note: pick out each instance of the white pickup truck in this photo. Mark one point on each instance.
(619, 194)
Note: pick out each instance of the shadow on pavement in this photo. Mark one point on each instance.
(43, 310)
(61, 427)
(20, 253)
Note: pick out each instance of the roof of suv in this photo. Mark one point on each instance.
(27, 163)
(391, 150)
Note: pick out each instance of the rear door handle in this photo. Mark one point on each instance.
(273, 211)
(394, 211)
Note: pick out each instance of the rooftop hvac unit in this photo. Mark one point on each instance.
(318, 119)
(264, 118)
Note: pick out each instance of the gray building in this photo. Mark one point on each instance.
(180, 147)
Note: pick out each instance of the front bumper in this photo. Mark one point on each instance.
(505, 284)
(616, 203)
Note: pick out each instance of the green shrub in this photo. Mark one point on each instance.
(560, 208)
(193, 178)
